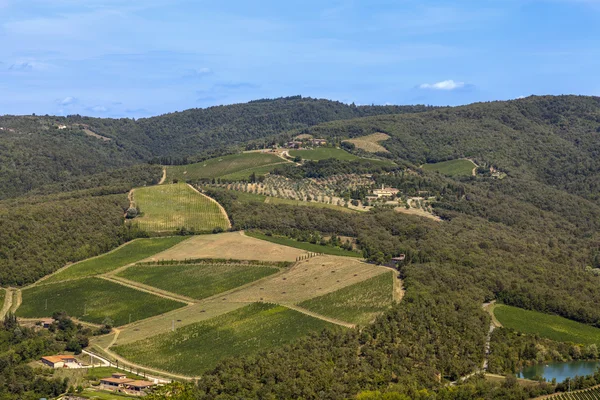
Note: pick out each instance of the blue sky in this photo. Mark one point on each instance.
(134, 58)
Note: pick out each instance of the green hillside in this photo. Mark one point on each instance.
(243, 163)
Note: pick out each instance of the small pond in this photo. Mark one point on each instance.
(560, 371)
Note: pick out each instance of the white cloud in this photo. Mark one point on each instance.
(99, 109)
(443, 85)
(68, 101)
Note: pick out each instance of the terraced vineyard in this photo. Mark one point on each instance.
(129, 253)
(239, 164)
(167, 208)
(198, 347)
(197, 281)
(586, 394)
(359, 303)
(93, 300)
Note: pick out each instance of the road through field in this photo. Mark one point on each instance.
(8, 299)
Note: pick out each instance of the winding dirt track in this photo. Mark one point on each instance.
(8, 300)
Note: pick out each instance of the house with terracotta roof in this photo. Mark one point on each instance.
(119, 382)
(61, 361)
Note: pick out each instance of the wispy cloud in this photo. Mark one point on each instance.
(449, 84)
(67, 101)
(198, 73)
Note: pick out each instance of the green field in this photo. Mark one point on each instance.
(315, 248)
(359, 303)
(195, 348)
(197, 281)
(323, 153)
(245, 173)
(97, 297)
(129, 253)
(170, 207)
(547, 326)
(452, 167)
(221, 166)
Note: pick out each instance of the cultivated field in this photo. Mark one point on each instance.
(129, 253)
(323, 153)
(359, 303)
(370, 143)
(258, 171)
(198, 347)
(170, 207)
(221, 166)
(230, 245)
(586, 394)
(314, 248)
(93, 300)
(197, 281)
(309, 278)
(548, 326)
(323, 192)
(460, 167)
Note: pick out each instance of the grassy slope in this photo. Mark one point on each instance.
(100, 298)
(220, 166)
(323, 153)
(197, 281)
(245, 173)
(129, 253)
(169, 207)
(249, 330)
(315, 248)
(452, 167)
(359, 303)
(548, 326)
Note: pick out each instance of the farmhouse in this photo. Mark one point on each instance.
(385, 192)
(120, 383)
(319, 142)
(61, 361)
(46, 322)
(294, 144)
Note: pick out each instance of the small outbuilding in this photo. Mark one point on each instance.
(61, 361)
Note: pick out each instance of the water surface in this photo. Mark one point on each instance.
(560, 371)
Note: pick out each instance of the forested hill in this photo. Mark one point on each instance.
(40, 150)
(551, 139)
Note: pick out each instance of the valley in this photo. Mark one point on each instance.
(329, 250)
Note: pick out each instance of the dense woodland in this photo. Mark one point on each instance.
(531, 239)
(20, 345)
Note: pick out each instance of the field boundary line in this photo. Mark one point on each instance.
(164, 176)
(216, 202)
(8, 299)
(316, 315)
(141, 289)
(151, 289)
